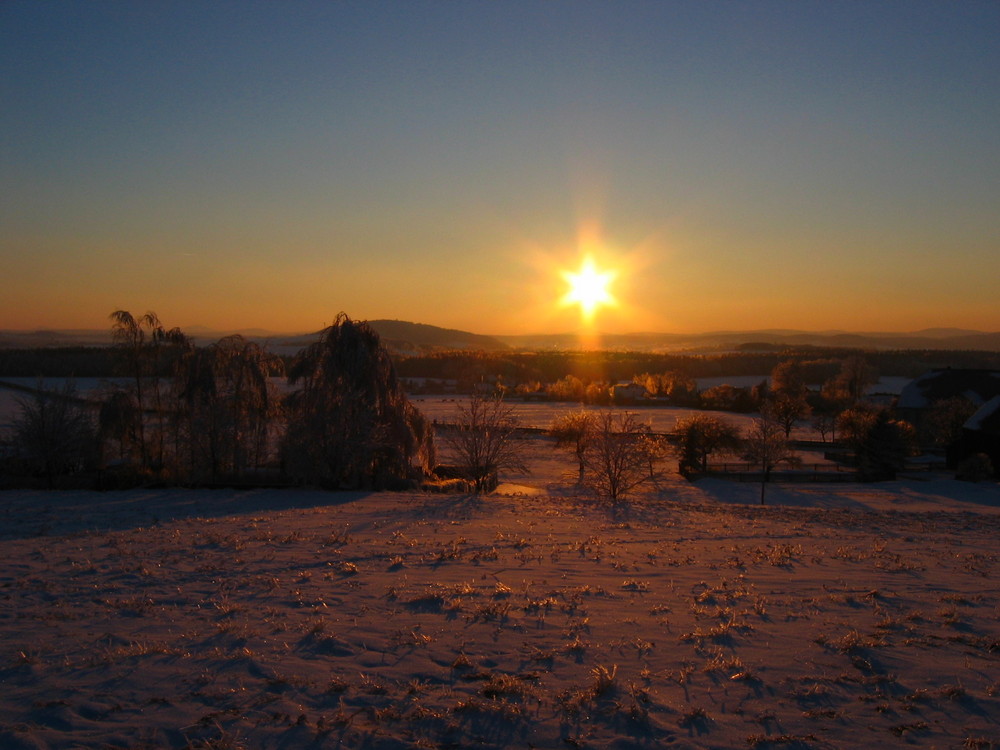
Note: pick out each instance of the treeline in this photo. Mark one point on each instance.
(181, 414)
(59, 362)
(546, 367)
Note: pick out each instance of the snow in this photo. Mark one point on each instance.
(975, 422)
(836, 616)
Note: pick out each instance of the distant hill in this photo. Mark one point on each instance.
(401, 333)
(402, 337)
(48, 338)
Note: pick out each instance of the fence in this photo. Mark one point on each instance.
(746, 472)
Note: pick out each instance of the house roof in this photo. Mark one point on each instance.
(978, 386)
(986, 418)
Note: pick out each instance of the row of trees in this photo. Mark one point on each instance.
(511, 369)
(616, 453)
(844, 383)
(879, 443)
(221, 415)
(346, 422)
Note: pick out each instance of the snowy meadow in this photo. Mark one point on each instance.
(836, 616)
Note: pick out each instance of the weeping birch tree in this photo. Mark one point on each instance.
(144, 345)
(227, 406)
(575, 431)
(349, 423)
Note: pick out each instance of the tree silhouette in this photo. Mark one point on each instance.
(349, 422)
(766, 446)
(575, 431)
(143, 343)
(118, 422)
(130, 335)
(54, 431)
(227, 405)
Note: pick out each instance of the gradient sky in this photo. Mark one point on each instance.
(812, 165)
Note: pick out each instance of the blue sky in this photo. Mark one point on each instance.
(741, 165)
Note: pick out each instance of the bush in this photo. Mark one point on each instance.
(975, 468)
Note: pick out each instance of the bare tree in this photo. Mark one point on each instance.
(620, 455)
(575, 431)
(825, 424)
(54, 432)
(849, 386)
(486, 439)
(700, 436)
(766, 446)
(786, 409)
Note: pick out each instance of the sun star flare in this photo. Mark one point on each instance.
(589, 288)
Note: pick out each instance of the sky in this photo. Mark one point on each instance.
(812, 165)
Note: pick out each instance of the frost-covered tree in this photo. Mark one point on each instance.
(944, 422)
(786, 408)
(766, 446)
(227, 406)
(144, 344)
(700, 436)
(575, 431)
(349, 423)
(54, 432)
(881, 443)
(486, 439)
(621, 455)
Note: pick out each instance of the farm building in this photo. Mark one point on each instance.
(981, 434)
(918, 397)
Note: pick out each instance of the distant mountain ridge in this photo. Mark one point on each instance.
(407, 338)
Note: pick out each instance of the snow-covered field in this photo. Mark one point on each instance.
(835, 617)
(543, 414)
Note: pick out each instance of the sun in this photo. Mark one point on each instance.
(589, 288)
